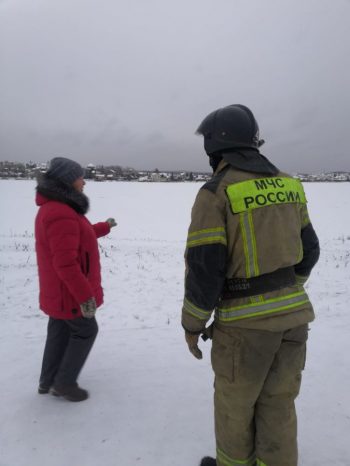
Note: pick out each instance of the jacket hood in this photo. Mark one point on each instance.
(249, 160)
(49, 189)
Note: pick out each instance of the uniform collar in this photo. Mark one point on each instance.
(249, 160)
(222, 164)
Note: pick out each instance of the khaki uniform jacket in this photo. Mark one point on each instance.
(249, 231)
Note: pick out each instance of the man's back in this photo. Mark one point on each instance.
(258, 220)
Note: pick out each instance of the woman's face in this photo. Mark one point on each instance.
(79, 184)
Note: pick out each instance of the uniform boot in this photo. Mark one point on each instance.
(70, 392)
(207, 461)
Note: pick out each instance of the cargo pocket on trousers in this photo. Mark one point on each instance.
(305, 351)
(296, 339)
(224, 355)
(304, 335)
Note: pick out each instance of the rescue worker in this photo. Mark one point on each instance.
(250, 249)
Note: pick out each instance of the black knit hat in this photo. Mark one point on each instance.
(64, 170)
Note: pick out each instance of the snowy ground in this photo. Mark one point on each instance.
(151, 401)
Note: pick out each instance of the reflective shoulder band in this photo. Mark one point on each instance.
(207, 236)
(262, 192)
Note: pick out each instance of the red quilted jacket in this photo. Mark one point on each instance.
(68, 258)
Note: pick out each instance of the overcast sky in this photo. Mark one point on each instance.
(128, 82)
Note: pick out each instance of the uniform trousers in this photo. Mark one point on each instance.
(257, 378)
(67, 347)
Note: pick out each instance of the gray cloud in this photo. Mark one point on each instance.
(129, 82)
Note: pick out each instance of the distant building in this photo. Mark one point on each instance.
(29, 170)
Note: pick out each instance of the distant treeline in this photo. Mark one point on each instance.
(30, 170)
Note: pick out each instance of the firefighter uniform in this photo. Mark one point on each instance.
(250, 249)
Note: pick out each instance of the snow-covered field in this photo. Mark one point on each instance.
(151, 401)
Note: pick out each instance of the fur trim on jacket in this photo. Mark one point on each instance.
(57, 191)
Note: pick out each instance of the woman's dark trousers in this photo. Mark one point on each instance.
(68, 344)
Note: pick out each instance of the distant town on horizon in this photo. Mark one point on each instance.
(30, 170)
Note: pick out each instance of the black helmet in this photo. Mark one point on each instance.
(230, 127)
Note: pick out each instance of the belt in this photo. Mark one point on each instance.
(245, 287)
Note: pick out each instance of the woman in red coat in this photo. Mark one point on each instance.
(69, 276)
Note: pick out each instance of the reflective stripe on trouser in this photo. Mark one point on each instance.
(222, 458)
(266, 306)
(257, 378)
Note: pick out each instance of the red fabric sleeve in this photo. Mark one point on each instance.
(101, 229)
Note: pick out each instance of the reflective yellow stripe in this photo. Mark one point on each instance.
(227, 461)
(257, 299)
(300, 280)
(207, 236)
(245, 245)
(207, 230)
(263, 192)
(253, 245)
(196, 311)
(260, 463)
(301, 253)
(267, 306)
(249, 244)
(305, 219)
(208, 240)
